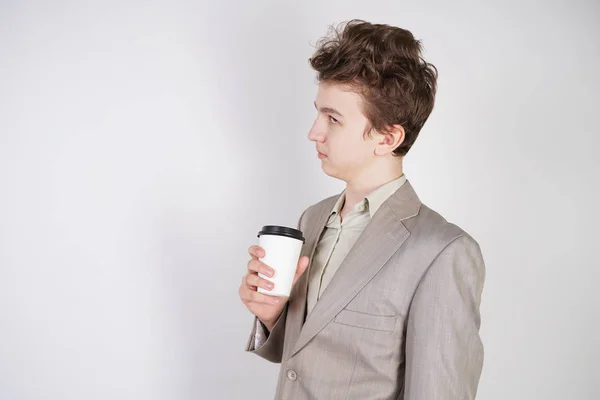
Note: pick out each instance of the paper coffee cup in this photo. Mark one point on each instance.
(282, 247)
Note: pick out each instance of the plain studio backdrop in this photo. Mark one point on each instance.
(144, 144)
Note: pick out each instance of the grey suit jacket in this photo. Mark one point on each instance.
(399, 320)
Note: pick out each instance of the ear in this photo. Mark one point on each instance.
(390, 140)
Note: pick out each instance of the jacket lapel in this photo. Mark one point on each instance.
(297, 302)
(382, 237)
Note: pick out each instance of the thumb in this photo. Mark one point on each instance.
(302, 265)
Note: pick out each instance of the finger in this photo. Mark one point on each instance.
(245, 293)
(257, 266)
(302, 265)
(246, 284)
(256, 252)
(257, 281)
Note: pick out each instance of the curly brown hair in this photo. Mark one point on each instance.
(384, 65)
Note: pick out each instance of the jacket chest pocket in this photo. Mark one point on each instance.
(366, 321)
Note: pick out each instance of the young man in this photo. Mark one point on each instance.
(388, 307)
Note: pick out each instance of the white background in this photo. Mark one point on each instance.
(144, 144)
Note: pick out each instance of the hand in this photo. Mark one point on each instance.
(266, 308)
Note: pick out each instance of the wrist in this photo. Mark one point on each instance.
(268, 324)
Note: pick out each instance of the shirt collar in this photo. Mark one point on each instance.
(373, 200)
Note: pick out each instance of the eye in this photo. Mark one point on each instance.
(333, 120)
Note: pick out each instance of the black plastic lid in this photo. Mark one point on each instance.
(281, 231)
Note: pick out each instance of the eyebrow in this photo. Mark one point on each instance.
(328, 110)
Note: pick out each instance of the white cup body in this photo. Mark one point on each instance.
(281, 254)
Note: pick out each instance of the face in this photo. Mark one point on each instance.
(338, 133)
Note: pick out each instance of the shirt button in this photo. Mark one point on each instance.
(291, 374)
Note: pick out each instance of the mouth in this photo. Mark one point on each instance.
(321, 155)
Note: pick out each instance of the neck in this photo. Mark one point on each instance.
(370, 179)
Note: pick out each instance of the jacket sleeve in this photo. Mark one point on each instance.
(271, 348)
(444, 352)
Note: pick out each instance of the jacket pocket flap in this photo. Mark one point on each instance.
(367, 321)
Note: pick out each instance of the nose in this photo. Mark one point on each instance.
(316, 133)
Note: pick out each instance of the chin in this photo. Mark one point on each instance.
(330, 171)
